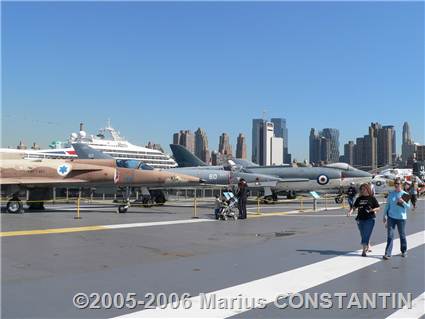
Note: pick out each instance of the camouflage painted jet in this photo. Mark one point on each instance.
(23, 174)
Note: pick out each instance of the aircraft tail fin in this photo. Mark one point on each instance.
(84, 151)
(184, 157)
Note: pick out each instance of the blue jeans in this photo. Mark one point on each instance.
(401, 225)
(366, 227)
(350, 201)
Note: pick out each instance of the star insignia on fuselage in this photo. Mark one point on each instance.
(64, 169)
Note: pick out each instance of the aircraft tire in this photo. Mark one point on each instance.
(122, 209)
(15, 206)
(339, 200)
(291, 195)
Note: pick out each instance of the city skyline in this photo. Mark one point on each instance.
(152, 71)
(185, 136)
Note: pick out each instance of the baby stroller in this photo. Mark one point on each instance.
(229, 207)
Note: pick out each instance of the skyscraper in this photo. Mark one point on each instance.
(349, 153)
(257, 140)
(408, 147)
(314, 147)
(280, 130)
(176, 138)
(201, 145)
(267, 149)
(215, 158)
(324, 146)
(385, 145)
(377, 149)
(224, 146)
(241, 147)
(370, 157)
(406, 138)
(331, 135)
(185, 138)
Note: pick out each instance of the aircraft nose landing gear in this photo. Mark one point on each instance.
(122, 209)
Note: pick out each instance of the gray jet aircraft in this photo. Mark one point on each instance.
(333, 177)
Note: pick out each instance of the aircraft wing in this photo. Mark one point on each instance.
(40, 181)
(293, 180)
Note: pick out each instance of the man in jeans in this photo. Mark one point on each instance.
(395, 214)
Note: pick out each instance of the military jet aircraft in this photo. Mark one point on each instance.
(333, 177)
(24, 174)
(210, 175)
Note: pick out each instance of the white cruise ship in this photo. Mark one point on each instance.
(109, 141)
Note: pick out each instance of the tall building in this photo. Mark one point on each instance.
(224, 146)
(267, 149)
(241, 147)
(215, 158)
(324, 146)
(370, 158)
(349, 153)
(359, 152)
(406, 136)
(325, 149)
(257, 141)
(385, 145)
(332, 137)
(185, 138)
(154, 146)
(276, 151)
(365, 151)
(280, 130)
(201, 145)
(420, 153)
(176, 138)
(408, 147)
(377, 149)
(314, 147)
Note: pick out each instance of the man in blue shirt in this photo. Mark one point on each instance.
(395, 214)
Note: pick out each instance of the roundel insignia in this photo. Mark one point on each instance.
(64, 169)
(322, 179)
(378, 183)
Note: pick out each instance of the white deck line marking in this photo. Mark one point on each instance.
(416, 311)
(148, 224)
(268, 288)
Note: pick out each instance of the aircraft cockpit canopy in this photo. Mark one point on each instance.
(133, 164)
(342, 166)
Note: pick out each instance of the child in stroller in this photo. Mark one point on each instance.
(228, 207)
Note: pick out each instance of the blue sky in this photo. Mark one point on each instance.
(155, 68)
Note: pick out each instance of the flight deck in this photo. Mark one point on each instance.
(49, 258)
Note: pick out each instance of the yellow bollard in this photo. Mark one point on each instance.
(78, 209)
(195, 214)
(258, 206)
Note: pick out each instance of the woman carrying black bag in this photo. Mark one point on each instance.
(367, 206)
